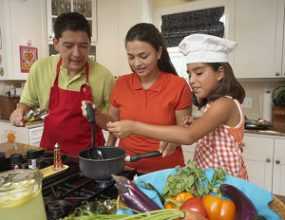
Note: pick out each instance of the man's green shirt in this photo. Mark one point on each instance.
(36, 91)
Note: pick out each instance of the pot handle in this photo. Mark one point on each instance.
(137, 157)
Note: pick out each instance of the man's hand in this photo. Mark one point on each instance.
(167, 148)
(120, 129)
(101, 118)
(17, 116)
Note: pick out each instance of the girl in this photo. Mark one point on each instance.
(152, 93)
(219, 132)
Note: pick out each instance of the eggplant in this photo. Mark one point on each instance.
(132, 196)
(245, 208)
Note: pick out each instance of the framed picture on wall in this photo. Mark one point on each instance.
(28, 55)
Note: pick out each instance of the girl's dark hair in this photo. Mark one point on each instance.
(228, 86)
(149, 33)
(72, 21)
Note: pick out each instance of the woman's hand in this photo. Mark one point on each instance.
(84, 107)
(120, 129)
(167, 148)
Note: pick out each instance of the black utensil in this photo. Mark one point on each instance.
(96, 153)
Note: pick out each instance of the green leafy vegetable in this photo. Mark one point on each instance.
(192, 179)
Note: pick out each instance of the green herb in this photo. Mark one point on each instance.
(192, 179)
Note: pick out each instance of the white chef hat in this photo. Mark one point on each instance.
(204, 48)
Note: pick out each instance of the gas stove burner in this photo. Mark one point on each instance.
(103, 184)
(58, 208)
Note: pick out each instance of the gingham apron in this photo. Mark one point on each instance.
(220, 149)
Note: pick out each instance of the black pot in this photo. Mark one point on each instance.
(113, 161)
(101, 162)
(102, 169)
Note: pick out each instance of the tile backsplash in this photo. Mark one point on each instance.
(258, 93)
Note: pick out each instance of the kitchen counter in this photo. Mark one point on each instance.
(19, 148)
(265, 132)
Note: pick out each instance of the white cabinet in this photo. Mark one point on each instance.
(258, 29)
(279, 167)
(265, 161)
(258, 155)
(26, 135)
(87, 8)
(23, 24)
(114, 20)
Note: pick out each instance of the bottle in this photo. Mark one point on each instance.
(57, 162)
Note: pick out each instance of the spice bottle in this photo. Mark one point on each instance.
(57, 162)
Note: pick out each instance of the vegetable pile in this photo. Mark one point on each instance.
(188, 194)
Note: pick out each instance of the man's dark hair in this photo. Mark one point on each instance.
(148, 33)
(228, 86)
(71, 21)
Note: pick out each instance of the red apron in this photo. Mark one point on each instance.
(65, 123)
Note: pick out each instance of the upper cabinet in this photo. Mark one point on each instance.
(84, 7)
(258, 29)
(115, 18)
(22, 23)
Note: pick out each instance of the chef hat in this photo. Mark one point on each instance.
(203, 48)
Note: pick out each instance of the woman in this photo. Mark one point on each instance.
(152, 93)
(219, 132)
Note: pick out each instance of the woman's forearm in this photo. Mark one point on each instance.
(175, 134)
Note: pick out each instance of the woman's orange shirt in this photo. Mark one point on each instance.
(156, 105)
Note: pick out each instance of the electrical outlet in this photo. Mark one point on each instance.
(247, 102)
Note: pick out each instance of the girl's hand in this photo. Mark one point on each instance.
(120, 129)
(167, 148)
(187, 121)
(83, 107)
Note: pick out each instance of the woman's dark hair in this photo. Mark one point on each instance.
(228, 86)
(149, 33)
(72, 21)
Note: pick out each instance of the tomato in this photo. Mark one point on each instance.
(218, 208)
(193, 216)
(194, 204)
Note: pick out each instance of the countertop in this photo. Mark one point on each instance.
(265, 132)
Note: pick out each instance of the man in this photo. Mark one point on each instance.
(59, 84)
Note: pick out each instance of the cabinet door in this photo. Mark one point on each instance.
(24, 25)
(258, 155)
(88, 8)
(258, 28)
(279, 167)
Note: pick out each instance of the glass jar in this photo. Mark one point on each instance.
(21, 195)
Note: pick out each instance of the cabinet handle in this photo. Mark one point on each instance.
(277, 74)
(277, 161)
(267, 160)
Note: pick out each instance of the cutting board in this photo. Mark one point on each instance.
(20, 148)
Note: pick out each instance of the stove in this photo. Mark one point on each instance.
(64, 192)
(70, 189)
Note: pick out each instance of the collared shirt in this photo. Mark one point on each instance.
(155, 105)
(42, 75)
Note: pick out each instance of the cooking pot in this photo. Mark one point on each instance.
(101, 162)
